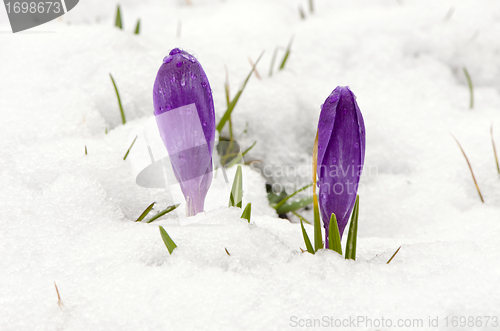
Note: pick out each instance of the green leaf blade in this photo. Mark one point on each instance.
(306, 239)
(293, 206)
(287, 54)
(236, 197)
(247, 212)
(334, 236)
(138, 27)
(118, 19)
(167, 240)
(119, 100)
(128, 151)
(231, 106)
(318, 240)
(163, 212)
(145, 212)
(350, 248)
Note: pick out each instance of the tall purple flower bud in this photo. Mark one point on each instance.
(341, 154)
(184, 112)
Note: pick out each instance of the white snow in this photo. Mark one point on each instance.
(68, 218)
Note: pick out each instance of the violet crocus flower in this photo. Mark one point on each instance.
(341, 154)
(184, 112)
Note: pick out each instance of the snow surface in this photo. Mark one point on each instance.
(68, 217)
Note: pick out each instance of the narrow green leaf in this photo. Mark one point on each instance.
(85, 149)
(239, 157)
(393, 255)
(118, 20)
(231, 106)
(295, 205)
(306, 238)
(494, 148)
(282, 202)
(247, 212)
(138, 26)
(301, 13)
(350, 248)
(311, 6)
(301, 218)
(470, 168)
(128, 151)
(119, 100)
(106, 131)
(273, 59)
(287, 53)
(167, 240)
(275, 198)
(227, 252)
(163, 212)
(334, 235)
(235, 199)
(318, 240)
(145, 212)
(471, 88)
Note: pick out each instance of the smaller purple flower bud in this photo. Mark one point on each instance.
(184, 111)
(341, 154)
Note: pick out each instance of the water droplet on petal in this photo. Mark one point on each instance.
(175, 51)
(204, 123)
(179, 64)
(193, 76)
(203, 84)
(334, 160)
(168, 107)
(183, 81)
(356, 145)
(167, 59)
(172, 79)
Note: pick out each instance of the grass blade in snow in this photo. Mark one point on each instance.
(145, 212)
(295, 205)
(306, 238)
(287, 54)
(273, 59)
(318, 241)
(163, 212)
(350, 247)
(282, 202)
(239, 157)
(167, 240)
(118, 20)
(334, 235)
(236, 197)
(471, 88)
(128, 151)
(470, 168)
(138, 27)
(393, 255)
(231, 106)
(119, 100)
(247, 212)
(494, 149)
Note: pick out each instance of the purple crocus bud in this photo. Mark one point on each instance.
(184, 112)
(341, 154)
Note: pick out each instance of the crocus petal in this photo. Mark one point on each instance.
(341, 149)
(184, 111)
